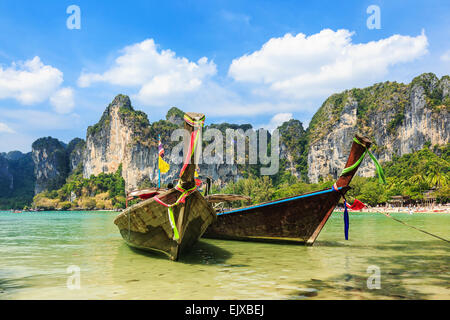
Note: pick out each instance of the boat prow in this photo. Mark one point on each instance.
(146, 225)
(170, 221)
(294, 219)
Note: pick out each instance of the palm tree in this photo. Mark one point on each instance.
(436, 178)
(417, 179)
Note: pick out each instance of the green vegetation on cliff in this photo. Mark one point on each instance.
(410, 175)
(105, 191)
(174, 112)
(293, 136)
(21, 168)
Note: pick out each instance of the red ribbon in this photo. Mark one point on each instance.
(357, 205)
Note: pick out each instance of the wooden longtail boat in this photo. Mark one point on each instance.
(143, 194)
(170, 221)
(293, 219)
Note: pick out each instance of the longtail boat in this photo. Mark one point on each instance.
(294, 219)
(143, 194)
(170, 221)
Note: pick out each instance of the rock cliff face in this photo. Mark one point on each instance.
(293, 148)
(399, 118)
(16, 179)
(50, 164)
(75, 153)
(119, 139)
(6, 177)
(125, 136)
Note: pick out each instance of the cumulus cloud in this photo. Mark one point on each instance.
(304, 66)
(63, 100)
(291, 73)
(32, 82)
(159, 74)
(29, 82)
(5, 129)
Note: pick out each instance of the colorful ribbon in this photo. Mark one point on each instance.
(181, 199)
(184, 193)
(346, 220)
(379, 169)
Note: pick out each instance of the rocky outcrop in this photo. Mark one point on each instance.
(175, 116)
(292, 147)
(75, 153)
(125, 136)
(399, 118)
(51, 166)
(6, 177)
(16, 180)
(119, 139)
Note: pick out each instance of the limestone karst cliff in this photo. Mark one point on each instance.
(50, 164)
(16, 179)
(125, 136)
(399, 118)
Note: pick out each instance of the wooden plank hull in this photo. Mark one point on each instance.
(146, 225)
(294, 219)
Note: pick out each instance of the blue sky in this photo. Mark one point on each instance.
(258, 62)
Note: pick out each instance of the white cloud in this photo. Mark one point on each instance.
(63, 100)
(446, 56)
(32, 82)
(276, 121)
(159, 75)
(291, 73)
(303, 66)
(29, 82)
(5, 129)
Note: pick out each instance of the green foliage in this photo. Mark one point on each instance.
(409, 175)
(174, 112)
(111, 183)
(327, 115)
(433, 91)
(21, 167)
(66, 205)
(163, 128)
(294, 137)
(260, 189)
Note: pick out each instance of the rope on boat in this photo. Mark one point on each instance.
(408, 225)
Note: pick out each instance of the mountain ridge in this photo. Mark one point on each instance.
(399, 118)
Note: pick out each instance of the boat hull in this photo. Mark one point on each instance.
(297, 219)
(146, 225)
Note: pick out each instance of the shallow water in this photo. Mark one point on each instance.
(37, 248)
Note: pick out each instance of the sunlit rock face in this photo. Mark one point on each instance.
(125, 136)
(399, 118)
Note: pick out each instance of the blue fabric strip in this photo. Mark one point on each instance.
(280, 201)
(346, 221)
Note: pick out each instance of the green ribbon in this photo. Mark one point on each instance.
(378, 168)
(176, 236)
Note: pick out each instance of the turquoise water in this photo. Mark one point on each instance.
(37, 248)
